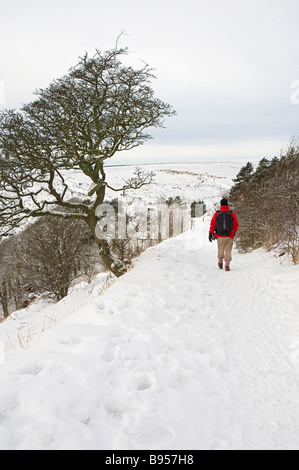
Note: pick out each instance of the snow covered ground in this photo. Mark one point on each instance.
(23, 327)
(174, 355)
(190, 181)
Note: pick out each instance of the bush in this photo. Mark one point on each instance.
(267, 205)
(45, 258)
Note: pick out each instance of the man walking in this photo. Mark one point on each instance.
(224, 226)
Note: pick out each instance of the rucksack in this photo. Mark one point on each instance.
(224, 223)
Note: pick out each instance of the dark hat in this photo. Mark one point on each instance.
(224, 202)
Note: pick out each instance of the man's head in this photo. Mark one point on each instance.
(224, 202)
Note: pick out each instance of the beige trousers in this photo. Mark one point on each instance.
(225, 246)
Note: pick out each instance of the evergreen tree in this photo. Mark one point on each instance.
(261, 169)
(244, 176)
(274, 162)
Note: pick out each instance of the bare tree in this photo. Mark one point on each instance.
(98, 109)
(4, 282)
(14, 286)
(55, 252)
(267, 204)
(45, 258)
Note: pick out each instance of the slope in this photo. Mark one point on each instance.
(174, 355)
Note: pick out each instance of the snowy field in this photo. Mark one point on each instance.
(174, 355)
(190, 181)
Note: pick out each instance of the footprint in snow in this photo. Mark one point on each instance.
(144, 384)
(32, 369)
(72, 341)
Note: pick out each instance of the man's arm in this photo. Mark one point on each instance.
(213, 225)
(235, 223)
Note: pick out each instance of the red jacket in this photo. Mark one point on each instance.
(214, 223)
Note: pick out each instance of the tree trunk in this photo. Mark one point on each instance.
(114, 265)
(4, 301)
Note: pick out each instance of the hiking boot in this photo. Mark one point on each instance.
(220, 265)
(227, 268)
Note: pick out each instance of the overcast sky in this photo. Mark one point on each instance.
(226, 66)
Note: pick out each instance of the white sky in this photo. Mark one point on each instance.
(226, 66)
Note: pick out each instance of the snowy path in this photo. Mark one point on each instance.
(175, 355)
